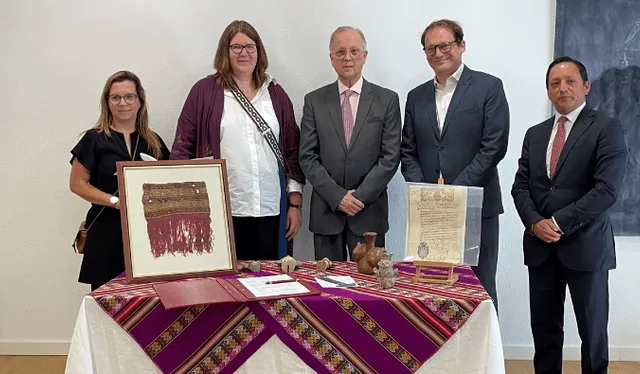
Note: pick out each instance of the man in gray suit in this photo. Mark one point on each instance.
(349, 151)
(456, 127)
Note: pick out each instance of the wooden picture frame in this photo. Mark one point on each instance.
(176, 219)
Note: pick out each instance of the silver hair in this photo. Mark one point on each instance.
(347, 28)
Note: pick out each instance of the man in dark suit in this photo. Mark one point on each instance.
(456, 127)
(349, 151)
(569, 174)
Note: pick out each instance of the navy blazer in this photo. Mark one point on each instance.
(473, 140)
(586, 183)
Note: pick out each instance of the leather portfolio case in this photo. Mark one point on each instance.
(184, 293)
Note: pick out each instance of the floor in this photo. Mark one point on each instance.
(55, 365)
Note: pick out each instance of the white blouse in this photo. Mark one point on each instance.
(252, 168)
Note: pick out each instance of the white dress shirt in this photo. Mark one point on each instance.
(354, 100)
(252, 168)
(568, 125)
(444, 93)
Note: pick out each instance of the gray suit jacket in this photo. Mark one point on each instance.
(367, 165)
(473, 141)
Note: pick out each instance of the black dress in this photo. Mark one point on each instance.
(104, 252)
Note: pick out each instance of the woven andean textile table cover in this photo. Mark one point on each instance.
(361, 329)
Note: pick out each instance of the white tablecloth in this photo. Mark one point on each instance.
(100, 346)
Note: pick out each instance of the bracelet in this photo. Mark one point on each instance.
(295, 206)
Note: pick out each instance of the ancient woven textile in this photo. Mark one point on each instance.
(178, 218)
(362, 329)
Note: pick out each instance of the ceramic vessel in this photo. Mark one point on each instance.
(366, 255)
(385, 272)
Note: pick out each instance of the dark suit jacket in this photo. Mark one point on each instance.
(585, 185)
(366, 166)
(473, 140)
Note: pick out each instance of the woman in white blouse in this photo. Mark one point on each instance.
(265, 188)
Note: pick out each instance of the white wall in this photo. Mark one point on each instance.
(57, 55)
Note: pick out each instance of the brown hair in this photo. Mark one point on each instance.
(448, 24)
(142, 119)
(222, 63)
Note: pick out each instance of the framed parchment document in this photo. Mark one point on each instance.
(176, 219)
(440, 227)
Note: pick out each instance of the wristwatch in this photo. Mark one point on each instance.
(296, 206)
(113, 200)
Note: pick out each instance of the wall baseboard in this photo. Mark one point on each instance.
(571, 353)
(511, 352)
(33, 348)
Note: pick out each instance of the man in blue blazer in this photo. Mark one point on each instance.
(456, 126)
(569, 174)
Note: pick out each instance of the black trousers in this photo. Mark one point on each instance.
(339, 247)
(488, 260)
(590, 296)
(256, 238)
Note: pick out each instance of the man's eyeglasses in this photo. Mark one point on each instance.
(237, 48)
(128, 98)
(342, 53)
(443, 47)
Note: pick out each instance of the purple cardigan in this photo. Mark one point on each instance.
(198, 131)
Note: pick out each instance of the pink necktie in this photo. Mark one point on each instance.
(558, 143)
(347, 116)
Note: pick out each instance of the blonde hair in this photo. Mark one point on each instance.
(222, 64)
(142, 119)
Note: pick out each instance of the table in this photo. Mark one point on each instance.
(410, 328)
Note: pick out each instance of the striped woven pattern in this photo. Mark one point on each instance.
(362, 329)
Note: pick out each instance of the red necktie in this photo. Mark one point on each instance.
(347, 116)
(558, 143)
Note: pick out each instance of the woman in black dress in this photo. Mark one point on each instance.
(121, 134)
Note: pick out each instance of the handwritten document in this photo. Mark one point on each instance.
(259, 288)
(436, 223)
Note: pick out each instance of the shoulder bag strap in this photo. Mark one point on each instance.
(262, 125)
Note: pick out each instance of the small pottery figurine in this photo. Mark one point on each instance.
(385, 272)
(323, 265)
(366, 255)
(288, 264)
(254, 266)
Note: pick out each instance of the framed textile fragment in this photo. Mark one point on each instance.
(176, 219)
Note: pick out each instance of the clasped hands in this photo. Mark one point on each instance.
(350, 205)
(547, 231)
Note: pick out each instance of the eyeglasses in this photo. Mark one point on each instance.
(128, 98)
(342, 53)
(443, 47)
(237, 48)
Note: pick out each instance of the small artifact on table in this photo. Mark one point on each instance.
(288, 264)
(323, 265)
(254, 266)
(385, 272)
(366, 255)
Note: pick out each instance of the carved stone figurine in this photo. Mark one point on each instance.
(254, 266)
(288, 264)
(366, 255)
(323, 265)
(385, 272)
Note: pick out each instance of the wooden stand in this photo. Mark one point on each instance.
(448, 279)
